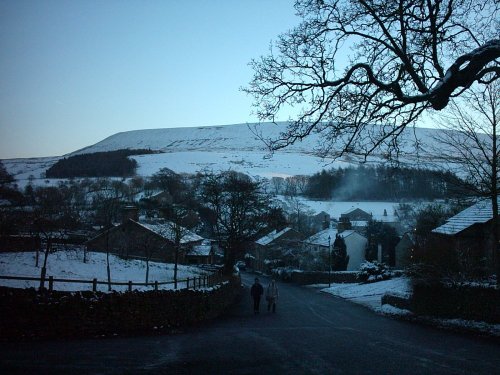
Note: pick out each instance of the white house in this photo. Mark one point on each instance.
(355, 245)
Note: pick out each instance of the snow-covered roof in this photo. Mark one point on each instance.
(166, 230)
(347, 233)
(200, 250)
(352, 209)
(270, 237)
(479, 213)
(359, 223)
(321, 238)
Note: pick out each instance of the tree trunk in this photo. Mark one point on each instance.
(108, 271)
(496, 236)
(44, 267)
(494, 198)
(176, 260)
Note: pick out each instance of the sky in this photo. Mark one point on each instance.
(75, 72)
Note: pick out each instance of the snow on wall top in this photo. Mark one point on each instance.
(479, 213)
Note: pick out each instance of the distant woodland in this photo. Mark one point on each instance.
(383, 183)
(97, 164)
(353, 183)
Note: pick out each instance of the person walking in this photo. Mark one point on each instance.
(256, 291)
(272, 295)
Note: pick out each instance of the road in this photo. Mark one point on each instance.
(311, 333)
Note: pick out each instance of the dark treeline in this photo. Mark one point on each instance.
(382, 183)
(97, 164)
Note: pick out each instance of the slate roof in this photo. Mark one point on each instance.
(200, 250)
(268, 238)
(165, 230)
(479, 213)
(352, 209)
(321, 238)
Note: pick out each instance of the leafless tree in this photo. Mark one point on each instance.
(302, 182)
(180, 218)
(277, 184)
(52, 215)
(291, 186)
(107, 199)
(469, 146)
(239, 209)
(360, 71)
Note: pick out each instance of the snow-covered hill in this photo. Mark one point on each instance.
(239, 137)
(216, 148)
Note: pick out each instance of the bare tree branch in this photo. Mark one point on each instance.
(373, 66)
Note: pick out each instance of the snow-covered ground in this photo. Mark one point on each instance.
(370, 295)
(253, 163)
(336, 208)
(69, 265)
(235, 147)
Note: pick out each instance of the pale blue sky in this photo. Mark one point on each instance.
(75, 72)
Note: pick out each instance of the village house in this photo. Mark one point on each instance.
(358, 219)
(277, 244)
(319, 221)
(355, 245)
(470, 232)
(201, 254)
(356, 214)
(150, 240)
(355, 219)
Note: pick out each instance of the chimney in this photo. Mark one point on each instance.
(326, 222)
(344, 224)
(130, 212)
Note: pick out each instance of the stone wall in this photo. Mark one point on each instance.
(466, 302)
(30, 314)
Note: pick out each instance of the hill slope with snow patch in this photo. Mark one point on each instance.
(235, 147)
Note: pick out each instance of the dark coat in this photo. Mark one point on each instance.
(256, 291)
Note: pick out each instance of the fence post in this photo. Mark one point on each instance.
(94, 285)
(42, 278)
(199, 281)
(51, 283)
(130, 286)
(187, 283)
(156, 285)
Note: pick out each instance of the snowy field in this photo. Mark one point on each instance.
(336, 208)
(69, 265)
(235, 147)
(253, 163)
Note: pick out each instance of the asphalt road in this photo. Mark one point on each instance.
(311, 333)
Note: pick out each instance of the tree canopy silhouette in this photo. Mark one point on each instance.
(361, 71)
